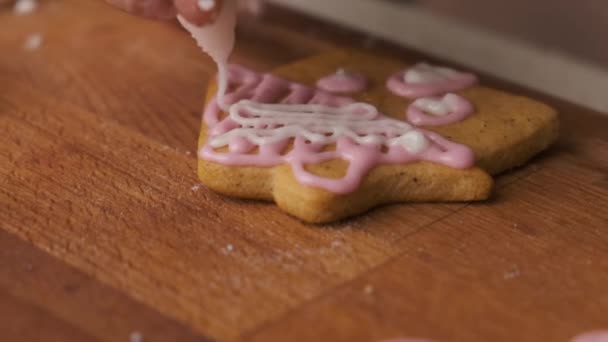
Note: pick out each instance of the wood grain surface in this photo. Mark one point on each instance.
(105, 231)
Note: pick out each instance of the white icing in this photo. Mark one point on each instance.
(426, 73)
(217, 40)
(270, 123)
(413, 141)
(437, 106)
(206, 5)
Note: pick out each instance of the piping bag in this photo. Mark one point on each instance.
(217, 40)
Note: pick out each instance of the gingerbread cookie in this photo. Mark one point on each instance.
(338, 134)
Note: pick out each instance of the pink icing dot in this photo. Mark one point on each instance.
(439, 86)
(343, 82)
(459, 109)
(592, 336)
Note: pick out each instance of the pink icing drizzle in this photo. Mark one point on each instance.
(343, 82)
(363, 137)
(438, 86)
(459, 109)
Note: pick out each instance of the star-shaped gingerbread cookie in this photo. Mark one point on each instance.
(335, 135)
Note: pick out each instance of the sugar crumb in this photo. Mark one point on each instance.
(512, 274)
(228, 249)
(195, 188)
(33, 42)
(368, 290)
(136, 336)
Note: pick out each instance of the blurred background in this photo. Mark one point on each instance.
(558, 47)
(561, 44)
(578, 28)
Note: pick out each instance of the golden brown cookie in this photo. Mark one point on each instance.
(505, 131)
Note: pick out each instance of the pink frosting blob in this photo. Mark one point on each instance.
(343, 82)
(397, 85)
(460, 109)
(361, 157)
(592, 336)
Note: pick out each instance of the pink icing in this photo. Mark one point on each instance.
(593, 336)
(363, 137)
(343, 82)
(457, 81)
(459, 109)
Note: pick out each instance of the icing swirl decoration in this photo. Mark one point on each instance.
(433, 111)
(423, 80)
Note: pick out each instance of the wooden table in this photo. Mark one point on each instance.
(106, 235)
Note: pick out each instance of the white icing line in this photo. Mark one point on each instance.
(270, 123)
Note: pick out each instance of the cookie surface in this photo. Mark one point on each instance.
(504, 132)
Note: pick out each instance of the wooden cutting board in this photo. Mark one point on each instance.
(106, 234)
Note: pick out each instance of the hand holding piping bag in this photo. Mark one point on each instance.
(197, 12)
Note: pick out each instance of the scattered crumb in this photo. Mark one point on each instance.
(336, 244)
(228, 249)
(33, 42)
(368, 290)
(512, 274)
(188, 153)
(23, 7)
(195, 188)
(136, 336)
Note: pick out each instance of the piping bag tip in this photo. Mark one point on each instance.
(217, 40)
